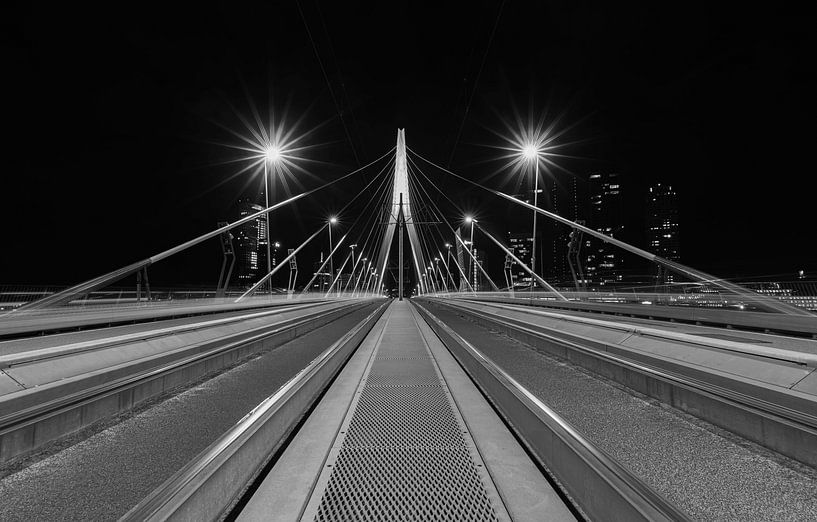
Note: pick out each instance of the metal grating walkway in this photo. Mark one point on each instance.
(403, 452)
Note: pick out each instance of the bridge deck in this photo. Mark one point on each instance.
(403, 434)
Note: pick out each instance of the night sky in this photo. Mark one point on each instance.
(113, 119)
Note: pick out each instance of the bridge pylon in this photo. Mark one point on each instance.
(401, 192)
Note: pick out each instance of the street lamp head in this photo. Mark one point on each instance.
(468, 219)
(530, 151)
(333, 220)
(448, 245)
(272, 153)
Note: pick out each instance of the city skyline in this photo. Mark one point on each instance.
(147, 129)
(339, 261)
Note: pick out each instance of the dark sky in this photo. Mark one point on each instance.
(110, 117)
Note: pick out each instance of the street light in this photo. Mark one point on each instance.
(332, 221)
(272, 155)
(531, 153)
(448, 266)
(472, 258)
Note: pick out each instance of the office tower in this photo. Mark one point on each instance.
(603, 262)
(248, 260)
(662, 226)
(521, 244)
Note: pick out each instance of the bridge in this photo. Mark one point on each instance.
(444, 401)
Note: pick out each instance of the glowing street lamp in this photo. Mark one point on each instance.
(531, 153)
(471, 259)
(272, 155)
(332, 220)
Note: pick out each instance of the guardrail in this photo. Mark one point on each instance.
(49, 321)
(804, 326)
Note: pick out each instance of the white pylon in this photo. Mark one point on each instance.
(401, 186)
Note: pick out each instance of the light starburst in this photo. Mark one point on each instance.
(526, 141)
(279, 144)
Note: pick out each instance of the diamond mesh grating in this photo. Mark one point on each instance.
(401, 416)
(402, 372)
(405, 484)
(402, 358)
(404, 455)
(386, 379)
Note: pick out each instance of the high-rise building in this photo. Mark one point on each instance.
(247, 251)
(263, 237)
(662, 225)
(521, 244)
(603, 262)
(564, 202)
(477, 278)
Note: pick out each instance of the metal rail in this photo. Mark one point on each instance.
(778, 354)
(21, 357)
(46, 322)
(207, 487)
(804, 326)
(602, 488)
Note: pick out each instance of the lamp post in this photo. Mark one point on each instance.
(448, 266)
(360, 275)
(271, 155)
(472, 259)
(352, 272)
(332, 221)
(531, 153)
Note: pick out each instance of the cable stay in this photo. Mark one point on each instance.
(766, 302)
(458, 238)
(102, 281)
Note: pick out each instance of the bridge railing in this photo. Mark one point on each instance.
(802, 295)
(15, 296)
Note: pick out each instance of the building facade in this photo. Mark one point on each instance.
(248, 259)
(662, 226)
(603, 262)
(521, 244)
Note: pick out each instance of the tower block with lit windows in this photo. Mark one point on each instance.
(401, 186)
